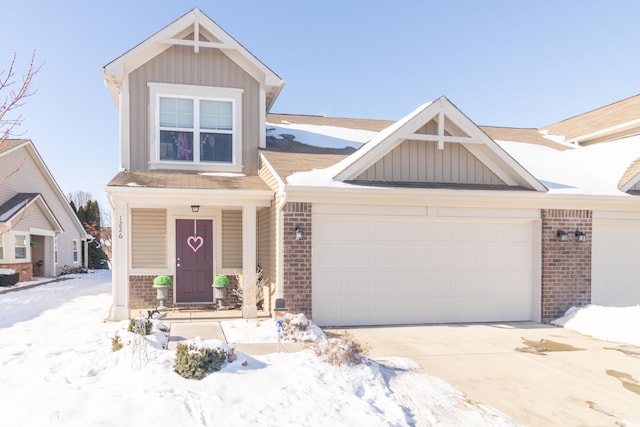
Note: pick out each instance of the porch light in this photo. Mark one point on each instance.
(195, 208)
(580, 236)
(299, 233)
(563, 236)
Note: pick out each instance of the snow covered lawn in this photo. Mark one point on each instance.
(57, 368)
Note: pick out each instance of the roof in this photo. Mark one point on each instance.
(10, 145)
(198, 30)
(619, 119)
(187, 180)
(19, 202)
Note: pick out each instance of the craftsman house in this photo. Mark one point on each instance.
(39, 232)
(359, 222)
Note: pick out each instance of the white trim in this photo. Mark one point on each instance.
(195, 93)
(41, 232)
(75, 251)
(27, 242)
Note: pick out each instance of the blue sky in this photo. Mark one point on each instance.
(503, 63)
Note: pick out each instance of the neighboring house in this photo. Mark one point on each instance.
(360, 222)
(39, 232)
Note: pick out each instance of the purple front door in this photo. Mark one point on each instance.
(194, 261)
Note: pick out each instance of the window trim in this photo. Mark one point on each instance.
(75, 251)
(15, 247)
(196, 93)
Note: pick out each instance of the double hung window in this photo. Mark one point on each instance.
(20, 246)
(196, 126)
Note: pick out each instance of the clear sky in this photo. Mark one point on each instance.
(503, 63)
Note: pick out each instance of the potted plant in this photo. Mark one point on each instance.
(162, 285)
(220, 284)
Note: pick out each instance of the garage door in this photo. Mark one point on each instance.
(615, 263)
(374, 271)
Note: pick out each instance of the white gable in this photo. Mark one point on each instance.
(448, 118)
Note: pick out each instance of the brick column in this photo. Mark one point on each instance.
(296, 286)
(566, 266)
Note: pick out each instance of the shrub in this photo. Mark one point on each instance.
(221, 281)
(195, 362)
(162, 281)
(116, 344)
(9, 277)
(141, 326)
(341, 351)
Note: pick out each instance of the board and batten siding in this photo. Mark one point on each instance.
(148, 238)
(180, 65)
(232, 239)
(422, 161)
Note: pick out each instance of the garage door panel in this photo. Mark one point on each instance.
(395, 272)
(615, 263)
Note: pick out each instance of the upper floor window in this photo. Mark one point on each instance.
(196, 127)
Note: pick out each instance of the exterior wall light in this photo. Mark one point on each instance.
(563, 236)
(195, 208)
(299, 233)
(580, 236)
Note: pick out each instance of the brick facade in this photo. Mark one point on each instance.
(142, 294)
(24, 269)
(566, 266)
(296, 276)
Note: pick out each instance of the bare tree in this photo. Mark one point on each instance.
(13, 95)
(79, 198)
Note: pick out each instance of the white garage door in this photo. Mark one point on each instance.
(389, 271)
(615, 274)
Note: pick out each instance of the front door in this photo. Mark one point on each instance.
(194, 261)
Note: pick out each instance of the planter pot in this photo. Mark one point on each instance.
(162, 293)
(220, 292)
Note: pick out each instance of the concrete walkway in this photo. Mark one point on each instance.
(187, 324)
(539, 375)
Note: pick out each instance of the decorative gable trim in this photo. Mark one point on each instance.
(453, 127)
(206, 34)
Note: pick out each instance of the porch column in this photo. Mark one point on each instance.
(120, 254)
(249, 242)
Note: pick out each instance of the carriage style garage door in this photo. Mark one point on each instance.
(381, 270)
(615, 267)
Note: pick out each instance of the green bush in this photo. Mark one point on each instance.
(140, 325)
(221, 280)
(195, 362)
(9, 279)
(162, 281)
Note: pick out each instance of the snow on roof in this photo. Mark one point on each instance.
(589, 170)
(319, 136)
(580, 170)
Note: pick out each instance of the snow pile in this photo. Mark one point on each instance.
(59, 370)
(619, 324)
(296, 328)
(319, 136)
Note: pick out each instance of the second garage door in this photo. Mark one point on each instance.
(377, 270)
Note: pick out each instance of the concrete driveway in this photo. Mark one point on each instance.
(539, 375)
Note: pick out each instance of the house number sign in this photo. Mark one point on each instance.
(120, 227)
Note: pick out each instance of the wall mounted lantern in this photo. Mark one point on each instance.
(195, 208)
(580, 236)
(299, 233)
(563, 236)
